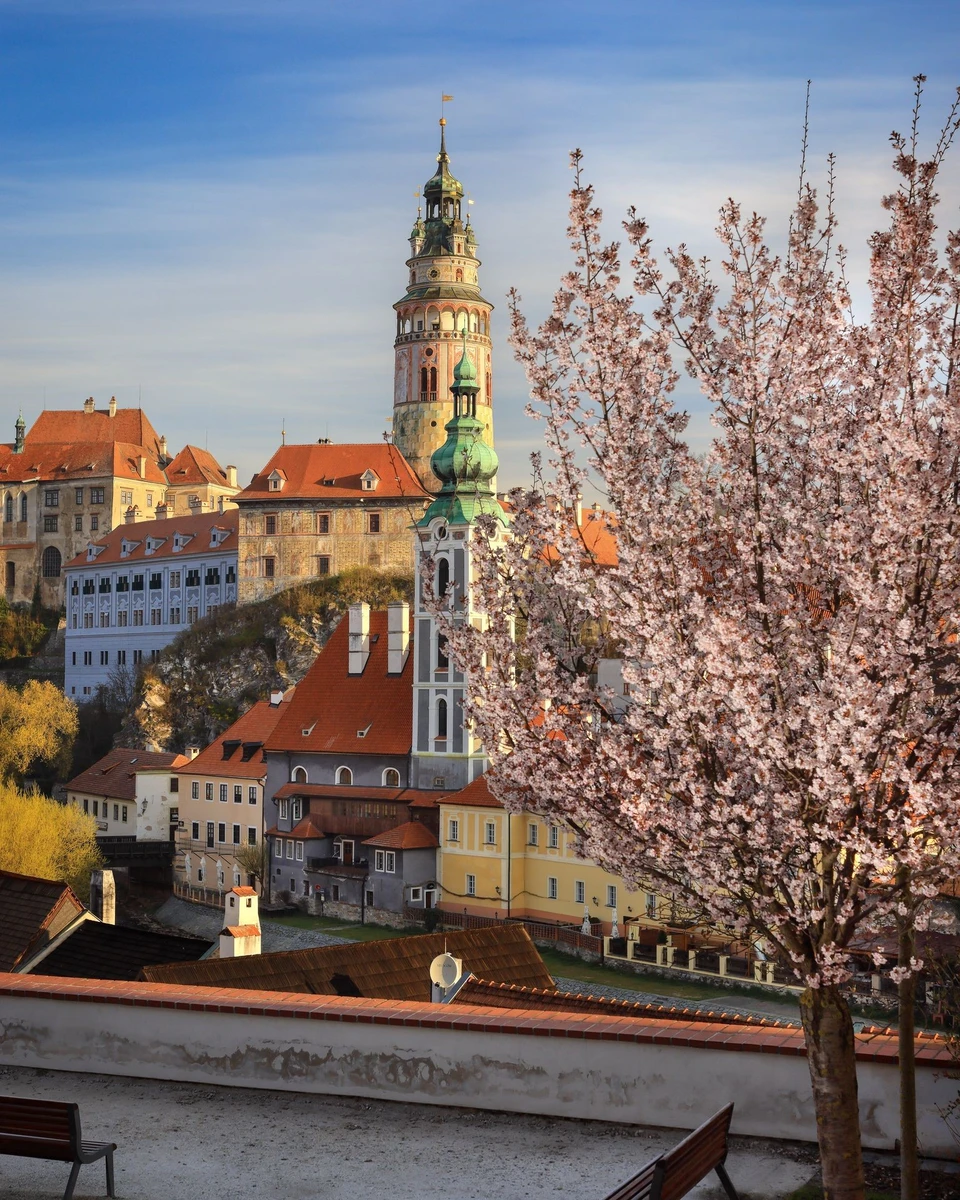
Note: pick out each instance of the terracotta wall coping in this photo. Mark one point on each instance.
(873, 1045)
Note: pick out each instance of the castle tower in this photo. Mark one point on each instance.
(445, 752)
(442, 303)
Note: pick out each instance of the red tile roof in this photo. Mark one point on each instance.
(34, 911)
(195, 466)
(474, 795)
(197, 528)
(334, 471)
(331, 706)
(305, 829)
(115, 775)
(74, 425)
(225, 754)
(66, 461)
(412, 835)
(414, 797)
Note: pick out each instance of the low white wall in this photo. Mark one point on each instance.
(558, 1075)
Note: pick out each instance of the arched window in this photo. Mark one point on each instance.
(443, 575)
(443, 660)
(489, 396)
(459, 274)
(23, 507)
(424, 378)
(433, 383)
(11, 575)
(344, 776)
(391, 778)
(299, 775)
(441, 718)
(8, 508)
(51, 563)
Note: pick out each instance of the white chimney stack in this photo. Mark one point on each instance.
(89, 405)
(276, 697)
(141, 466)
(103, 896)
(398, 636)
(231, 476)
(192, 752)
(240, 936)
(113, 406)
(359, 618)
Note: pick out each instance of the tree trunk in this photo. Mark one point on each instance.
(828, 1030)
(907, 990)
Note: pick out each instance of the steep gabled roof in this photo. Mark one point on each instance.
(51, 462)
(331, 707)
(197, 529)
(115, 775)
(412, 835)
(474, 795)
(324, 469)
(391, 969)
(238, 752)
(195, 466)
(97, 951)
(33, 912)
(74, 425)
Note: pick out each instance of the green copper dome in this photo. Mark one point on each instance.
(464, 371)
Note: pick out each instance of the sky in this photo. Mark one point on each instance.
(205, 204)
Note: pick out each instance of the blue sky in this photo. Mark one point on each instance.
(206, 202)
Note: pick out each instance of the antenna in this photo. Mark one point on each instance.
(283, 432)
(445, 970)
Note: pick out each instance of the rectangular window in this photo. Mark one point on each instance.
(236, 835)
(323, 564)
(154, 655)
(78, 524)
(284, 809)
(175, 783)
(223, 793)
(534, 835)
(86, 804)
(238, 793)
(335, 892)
(137, 656)
(51, 498)
(122, 618)
(78, 495)
(453, 831)
(193, 614)
(96, 808)
(50, 524)
(104, 586)
(195, 829)
(299, 846)
(489, 833)
(97, 496)
(125, 497)
(193, 577)
(580, 892)
(94, 523)
(390, 865)
(123, 583)
(323, 522)
(553, 837)
(138, 616)
(88, 620)
(269, 568)
(174, 579)
(611, 896)
(208, 791)
(116, 812)
(175, 615)
(650, 905)
(251, 835)
(378, 860)
(551, 887)
(221, 832)
(104, 620)
(416, 895)
(289, 849)
(252, 794)
(104, 658)
(270, 525)
(123, 814)
(156, 581)
(138, 583)
(471, 888)
(373, 522)
(149, 499)
(88, 658)
(231, 574)
(74, 658)
(195, 790)
(212, 577)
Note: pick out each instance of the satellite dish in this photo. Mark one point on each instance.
(445, 970)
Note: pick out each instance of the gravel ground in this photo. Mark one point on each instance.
(203, 922)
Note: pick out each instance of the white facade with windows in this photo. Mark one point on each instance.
(129, 595)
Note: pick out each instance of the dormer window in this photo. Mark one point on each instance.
(275, 480)
(369, 480)
(180, 540)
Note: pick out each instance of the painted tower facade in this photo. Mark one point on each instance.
(442, 304)
(446, 754)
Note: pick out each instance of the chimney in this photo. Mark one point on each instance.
(89, 405)
(113, 406)
(162, 511)
(276, 697)
(231, 476)
(191, 752)
(398, 636)
(130, 516)
(163, 446)
(359, 618)
(240, 936)
(103, 896)
(141, 466)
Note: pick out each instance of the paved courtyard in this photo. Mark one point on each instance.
(181, 1140)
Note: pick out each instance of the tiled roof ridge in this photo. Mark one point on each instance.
(161, 527)
(466, 1018)
(253, 725)
(119, 756)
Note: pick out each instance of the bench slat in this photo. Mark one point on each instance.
(639, 1187)
(673, 1174)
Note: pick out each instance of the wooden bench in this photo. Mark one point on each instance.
(50, 1129)
(675, 1173)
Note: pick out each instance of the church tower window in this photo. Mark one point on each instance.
(441, 720)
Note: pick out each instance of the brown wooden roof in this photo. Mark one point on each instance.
(392, 969)
(33, 912)
(115, 775)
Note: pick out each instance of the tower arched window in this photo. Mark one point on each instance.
(51, 563)
(443, 660)
(23, 507)
(424, 384)
(489, 388)
(299, 775)
(433, 383)
(443, 575)
(8, 508)
(11, 575)
(391, 778)
(344, 776)
(459, 274)
(441, 719)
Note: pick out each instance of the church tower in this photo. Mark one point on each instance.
(445, 752)
(441, 305)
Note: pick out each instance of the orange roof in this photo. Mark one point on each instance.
(348, 791)
(67, 461)
(198, 529)
(238, 752)
(195, 466)
(595, 534)
(331, 707)
(412, 835)
(244, 891)
(115, 775)
(242, 931)
(474, 795)
(74, 425)
(305, 829)
(317, 470)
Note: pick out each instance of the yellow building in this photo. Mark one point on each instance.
(493, 863)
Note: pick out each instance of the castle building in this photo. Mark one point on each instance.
(73, 478)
